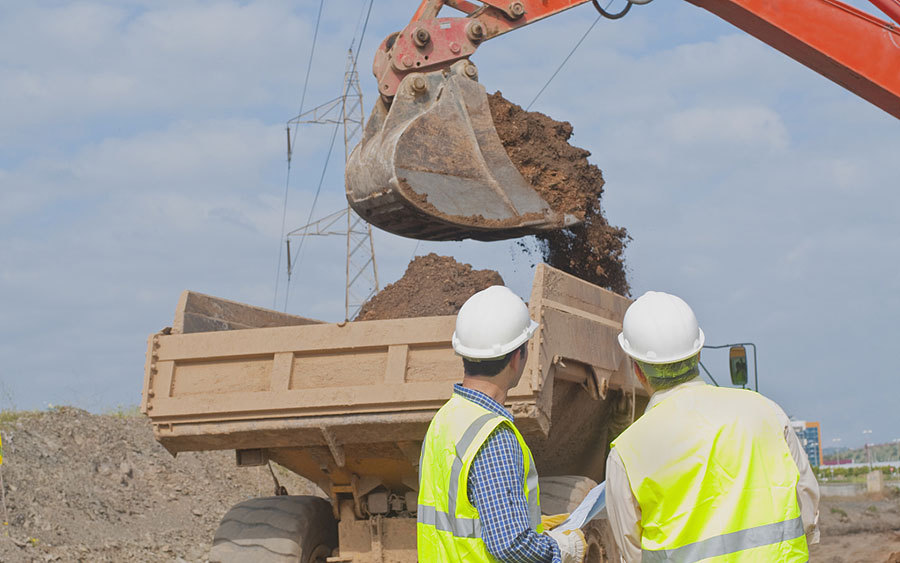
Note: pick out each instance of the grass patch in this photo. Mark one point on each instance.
(838, 511)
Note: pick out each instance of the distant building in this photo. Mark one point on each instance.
(810, 435)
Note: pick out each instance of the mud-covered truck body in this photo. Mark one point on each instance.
(347, 406)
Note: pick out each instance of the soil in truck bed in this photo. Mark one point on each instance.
(538, 146)
(432, 285)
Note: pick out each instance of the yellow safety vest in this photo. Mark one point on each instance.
(448, 526)
(714, 479)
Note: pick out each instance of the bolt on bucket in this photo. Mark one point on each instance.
(432, 167)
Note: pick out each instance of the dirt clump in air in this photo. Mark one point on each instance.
(432, 286)
(538, 146)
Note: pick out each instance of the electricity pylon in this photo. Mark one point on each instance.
(361, 268)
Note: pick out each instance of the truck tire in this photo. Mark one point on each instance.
(284, 529)
(562, 494)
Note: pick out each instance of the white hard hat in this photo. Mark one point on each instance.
(660, 328)
(491, 324)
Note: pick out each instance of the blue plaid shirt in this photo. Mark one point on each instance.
(496, 487)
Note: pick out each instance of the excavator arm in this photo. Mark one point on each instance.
(431, 166)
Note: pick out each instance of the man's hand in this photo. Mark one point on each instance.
(571, 544)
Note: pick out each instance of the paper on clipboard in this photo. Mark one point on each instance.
(590, 508)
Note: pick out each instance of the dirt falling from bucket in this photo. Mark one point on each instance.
(538, 146)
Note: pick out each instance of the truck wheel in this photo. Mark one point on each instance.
(285, 529)
(562, 494)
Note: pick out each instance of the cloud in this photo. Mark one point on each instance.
(739, 127)
(91, 62)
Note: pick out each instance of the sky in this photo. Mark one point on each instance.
(143, 152)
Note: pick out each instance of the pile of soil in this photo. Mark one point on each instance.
(538, 146)
(84, 487)
(432, 286)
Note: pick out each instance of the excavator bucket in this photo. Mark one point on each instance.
(432, 166)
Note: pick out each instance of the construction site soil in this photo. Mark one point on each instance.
(98, 488)
(432, 286)
(538, 146)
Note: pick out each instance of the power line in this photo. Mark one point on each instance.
(287, 181)
(331, 146)
(363, 34)
(603, 14)
(345, 89)
(565, 60)
(312, 209)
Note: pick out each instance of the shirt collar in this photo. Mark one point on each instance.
(481, 400)
(664, 394)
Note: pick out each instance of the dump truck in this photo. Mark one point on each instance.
(347, 405)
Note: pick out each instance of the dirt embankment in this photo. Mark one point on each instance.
(432, 286)
(538, 146)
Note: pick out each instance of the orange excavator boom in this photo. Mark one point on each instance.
(846, 45)
(431, 165)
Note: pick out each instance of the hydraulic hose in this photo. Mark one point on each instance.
(610, 15)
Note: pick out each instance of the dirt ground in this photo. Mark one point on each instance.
(84, 487)
(432, 285)
(858, 529)
(539, 148)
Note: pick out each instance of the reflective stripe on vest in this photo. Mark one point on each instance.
(728, 543)
(714, 478)
(460, 525)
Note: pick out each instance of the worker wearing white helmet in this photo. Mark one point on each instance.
(478, 486)
(706, 473)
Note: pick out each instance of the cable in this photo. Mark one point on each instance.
(609, 15)
(603, 14)
(312, 209)
(287, 180)
(363, 34)
(562, 64)
(416, 249)
(308, 68)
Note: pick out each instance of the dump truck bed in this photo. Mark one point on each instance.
(347, 405)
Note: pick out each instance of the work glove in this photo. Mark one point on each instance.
(571, 544)
(550, 521)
